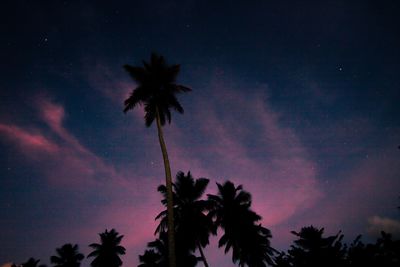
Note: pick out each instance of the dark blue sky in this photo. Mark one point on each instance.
(299, 102)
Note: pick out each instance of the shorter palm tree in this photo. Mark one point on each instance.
(248, 240)
(192, 225)
(106, 254)
(67, 256)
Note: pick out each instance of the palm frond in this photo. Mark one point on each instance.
(138, 74)
(156, 89)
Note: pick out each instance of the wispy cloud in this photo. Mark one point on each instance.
(247, 144)
(67, 164)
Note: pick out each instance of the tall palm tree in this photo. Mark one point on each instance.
(156, 90)
(67, 256)
(107, 252)
(248, 240)
(193, 226)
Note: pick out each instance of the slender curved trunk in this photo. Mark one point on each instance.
(170, 208)
(202, 255)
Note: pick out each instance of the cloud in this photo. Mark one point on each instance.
(376, 224)
(28, 142)
(101, 195)
(63, 160)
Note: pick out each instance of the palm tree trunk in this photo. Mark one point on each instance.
(202, 255)
(170, 208)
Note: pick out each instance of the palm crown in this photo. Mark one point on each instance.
(156, 89)
(67, 256)
(249, 241)
(193, 226)
(107, 252)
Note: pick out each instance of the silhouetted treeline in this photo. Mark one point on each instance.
(312, 249)
(228, 213)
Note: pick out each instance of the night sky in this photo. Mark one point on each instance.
(298, 102)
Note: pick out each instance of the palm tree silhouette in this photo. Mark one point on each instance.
(156, 90)
(193, 226)
(249, 241)
(67, 256)
(107, 252)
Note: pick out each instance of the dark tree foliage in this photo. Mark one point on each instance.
(311, 249)
(192, 225)
(67, 256)
(384, 253)
(248, 240)
(157, 254)
(150, 258)
(156, 89)
(107, 252)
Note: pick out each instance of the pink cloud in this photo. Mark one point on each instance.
(27, 140)
(67, 164)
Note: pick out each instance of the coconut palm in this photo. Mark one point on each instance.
(106, 254)
(248, 240)
(192, 225)
(67, 256)
(156, 90)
